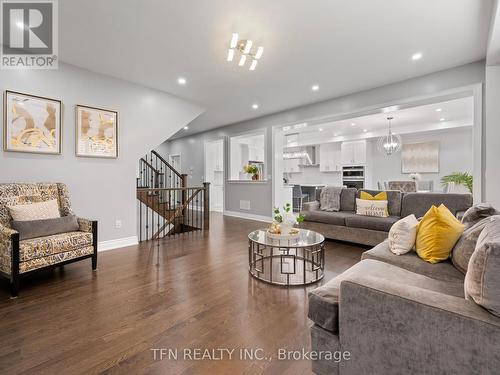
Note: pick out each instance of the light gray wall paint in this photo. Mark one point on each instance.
(103, 189)
(260, 195)
(492, 136)
(455, 155)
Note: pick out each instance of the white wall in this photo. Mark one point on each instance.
(102, 189)
(492, 136)
(455, 155)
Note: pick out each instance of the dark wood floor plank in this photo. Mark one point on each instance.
(189, 291)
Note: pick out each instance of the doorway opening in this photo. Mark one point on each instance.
(214, 173)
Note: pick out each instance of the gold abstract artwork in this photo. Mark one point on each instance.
(96, 132)
(32, 123)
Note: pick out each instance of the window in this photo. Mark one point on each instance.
(247, 149)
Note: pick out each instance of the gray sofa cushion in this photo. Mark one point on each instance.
(335, 218)
(419, 203)
(371, 222)
(46, 227)
(323, 301)
(465, 246)
(393, 198)
(347, 198)
(482, 281)
(410, 261)
(478, 212)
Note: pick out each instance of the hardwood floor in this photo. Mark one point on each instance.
(191, 291)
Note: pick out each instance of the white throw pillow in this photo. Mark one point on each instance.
(403, 234)
(367, 207)
(35, 211)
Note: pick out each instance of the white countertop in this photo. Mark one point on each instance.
(312, 185)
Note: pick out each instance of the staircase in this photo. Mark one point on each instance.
(167, 206)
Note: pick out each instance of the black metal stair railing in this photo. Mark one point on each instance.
(166, 205)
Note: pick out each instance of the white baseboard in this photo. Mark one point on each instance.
(115, 244)
(244, 215)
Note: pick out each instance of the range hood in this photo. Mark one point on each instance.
(306, 154)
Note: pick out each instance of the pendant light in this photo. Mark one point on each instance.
(390, 143)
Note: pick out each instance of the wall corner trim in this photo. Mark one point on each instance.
(116, 244)
(244, 215)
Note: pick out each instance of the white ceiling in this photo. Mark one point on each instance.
(344, 46)
(424, 118)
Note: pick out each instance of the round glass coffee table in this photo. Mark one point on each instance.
(298, 261)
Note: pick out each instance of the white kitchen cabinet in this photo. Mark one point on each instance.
(330, 157)
(353, 153)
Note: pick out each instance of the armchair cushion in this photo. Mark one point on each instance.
(36, 263)
(58, 243)
(35, 211)
(46, 227)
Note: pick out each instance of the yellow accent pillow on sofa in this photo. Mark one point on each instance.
(382, 196)
(438, 232)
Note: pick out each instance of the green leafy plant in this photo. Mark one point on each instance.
(459, 178)
(287, 214)
(251, 169)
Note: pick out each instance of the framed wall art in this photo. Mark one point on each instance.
(32, 123)
(420, 157)
(96, 132)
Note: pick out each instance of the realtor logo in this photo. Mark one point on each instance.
(29, 34)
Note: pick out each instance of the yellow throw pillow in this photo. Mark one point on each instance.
(382, 196)
(437, 234)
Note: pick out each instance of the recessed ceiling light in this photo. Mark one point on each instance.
(353, 124)
(441, 119)
(438, 109)
(320, 129)
(181, 81)
(365, 130)
(255, 106)
(186, 127)
(416, 56)
(315, 87)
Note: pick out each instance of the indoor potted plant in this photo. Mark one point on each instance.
(285, 219)
(253, 170)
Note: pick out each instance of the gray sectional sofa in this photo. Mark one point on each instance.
(345, 225)
(397, 314)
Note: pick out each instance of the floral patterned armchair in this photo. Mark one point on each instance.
(19, 258)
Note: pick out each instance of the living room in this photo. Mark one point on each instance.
(224, 187)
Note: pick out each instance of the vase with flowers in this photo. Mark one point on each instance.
(284, 220)
(252, 170)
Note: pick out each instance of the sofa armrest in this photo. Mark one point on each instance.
(460, 215)
(310, 206)
(86, 224)
(9, 244)
(388, 326)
